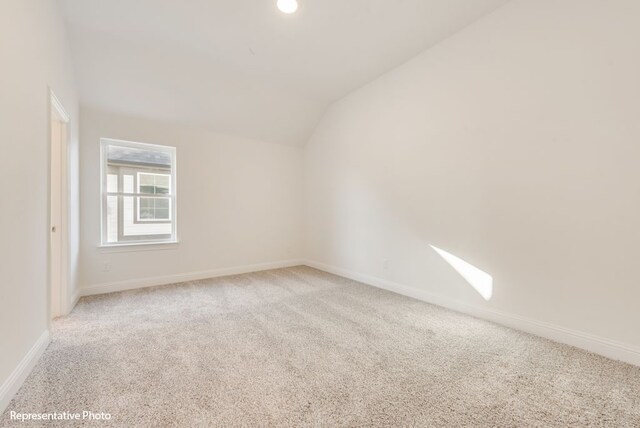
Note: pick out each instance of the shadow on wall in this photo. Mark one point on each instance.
(481, 281)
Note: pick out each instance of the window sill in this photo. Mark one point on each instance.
(138, 246)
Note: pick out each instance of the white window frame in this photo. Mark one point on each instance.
(151, 220)
(171, 151)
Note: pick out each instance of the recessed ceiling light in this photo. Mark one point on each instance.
(288, 6)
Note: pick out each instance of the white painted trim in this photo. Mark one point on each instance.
(138, 246)
(596, 344)
(74, 300)
(56, 107)
(20, 373)
(183, 277)
(55, 103)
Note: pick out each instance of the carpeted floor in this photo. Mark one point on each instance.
(298, 347)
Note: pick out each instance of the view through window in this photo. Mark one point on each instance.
(138, 193)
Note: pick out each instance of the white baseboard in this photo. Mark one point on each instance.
(183, 277)
(76, 297)
(20, 373)
(74, 300)
(598, 345)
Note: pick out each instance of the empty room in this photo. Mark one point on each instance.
(327, 213)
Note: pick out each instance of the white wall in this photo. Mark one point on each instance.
(33, 58)
(514, 145)
(239, 204)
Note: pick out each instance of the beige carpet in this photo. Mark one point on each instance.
(298, 347)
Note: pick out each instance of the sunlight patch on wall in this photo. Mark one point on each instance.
(481, 281)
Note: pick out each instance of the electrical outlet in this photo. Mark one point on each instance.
(385, 265)
(106, 267)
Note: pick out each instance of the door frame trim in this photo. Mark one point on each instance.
(56, 108)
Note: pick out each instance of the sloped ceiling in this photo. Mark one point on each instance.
(241, 66)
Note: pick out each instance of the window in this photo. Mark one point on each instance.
(138, 193)
(154, 208)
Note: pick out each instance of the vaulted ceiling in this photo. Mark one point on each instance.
(241, 66)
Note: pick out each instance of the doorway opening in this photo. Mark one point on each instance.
(58, 209)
